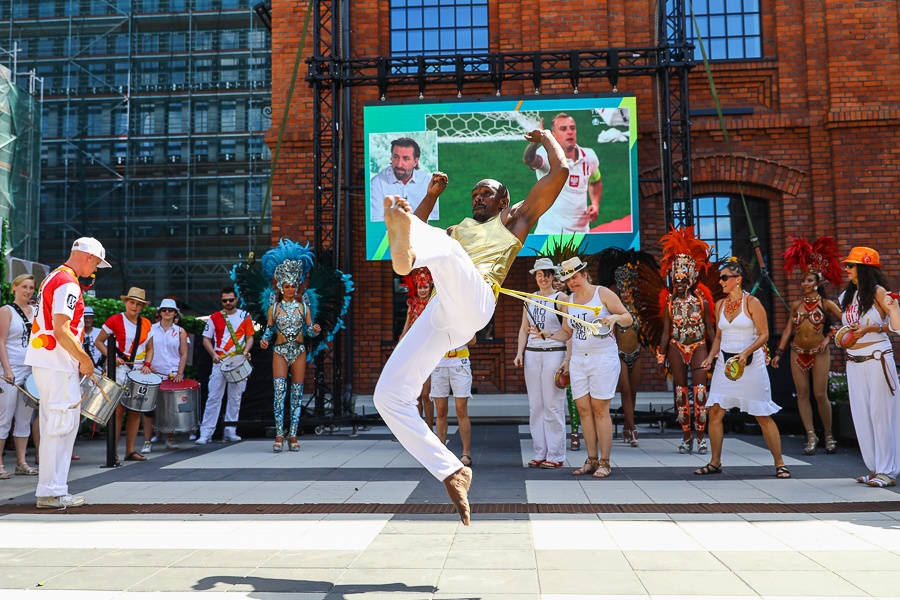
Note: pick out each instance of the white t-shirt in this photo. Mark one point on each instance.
(124, 330)
(17, 342)
(166, 349)
(59, 294)
(221, 337)
(88, 344)
(568, 213)
(386, 183)
(582, 340)
(545, 320)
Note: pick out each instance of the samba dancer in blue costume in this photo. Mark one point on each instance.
(297, 324)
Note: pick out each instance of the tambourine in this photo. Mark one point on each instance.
(844, 338)
(734, 370)
(561, 379)
(601, 330)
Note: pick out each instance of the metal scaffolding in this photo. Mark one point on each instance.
(154, 121)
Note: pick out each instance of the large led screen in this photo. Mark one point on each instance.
(470, 141)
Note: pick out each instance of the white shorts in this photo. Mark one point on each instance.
(455, 379)
(594, 374)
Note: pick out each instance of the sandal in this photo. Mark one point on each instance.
(466, 460)
(4, 474)
(549, 464)
(534, 464)
(24, 469)
(589, 466)
(830, 443)
(293, 444)
(75, 457)
(881, 481)
(702, 446)
(603, 469)
(709, 469)
(135, 456)
(634, 438)
(812, 441)
(630, 437)
(782, 472)
(865, 478)
(279, 444)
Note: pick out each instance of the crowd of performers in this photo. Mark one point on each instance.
(709, 335)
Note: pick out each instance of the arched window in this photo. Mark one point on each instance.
(722, 223)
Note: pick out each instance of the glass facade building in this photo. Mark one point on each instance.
(154, 116)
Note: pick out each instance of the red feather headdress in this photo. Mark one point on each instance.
(415, 278)
(683, 254)
(820, 258)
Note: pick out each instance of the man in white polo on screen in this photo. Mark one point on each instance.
(58, 359)
(403, 177)
(570, 213)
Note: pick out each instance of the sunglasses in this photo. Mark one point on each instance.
(228, 300)
(726, 277)
(162, 310)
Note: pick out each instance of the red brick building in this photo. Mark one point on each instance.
(811, 90)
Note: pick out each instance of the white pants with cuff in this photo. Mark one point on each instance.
(13, 407)
(217, 386)
(546, 405)
(876, 412)
(59, 390)
(464, 304)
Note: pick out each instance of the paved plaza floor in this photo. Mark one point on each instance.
(356, 517)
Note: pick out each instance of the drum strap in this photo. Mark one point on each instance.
(237, 344)
(27, 332)
(134, 343)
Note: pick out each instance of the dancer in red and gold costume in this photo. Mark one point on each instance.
(419, 287)
(810, 351)
(681, 319)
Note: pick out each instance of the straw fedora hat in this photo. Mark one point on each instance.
(135, 293)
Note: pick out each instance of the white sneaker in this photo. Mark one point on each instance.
(67, 501)
(172, 445)
(147, 448)
(192, 437)
(154, 439)
(201, 440)
(232, 438)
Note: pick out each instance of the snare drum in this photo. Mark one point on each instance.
(30, 393)
(603, 331)
(142, 391)
(236, 369)
(734, 370)
(100, 398)
(843, 337)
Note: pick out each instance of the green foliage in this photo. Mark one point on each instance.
(6, 295)
(837, 387)
(104, 308)
(193, 324)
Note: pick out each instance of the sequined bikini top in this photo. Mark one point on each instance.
(811, 311)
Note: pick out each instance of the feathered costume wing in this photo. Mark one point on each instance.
(644, 292)
(327, 295)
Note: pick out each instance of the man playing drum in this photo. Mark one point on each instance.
(57, 359)
(228, 338)
(134, 353)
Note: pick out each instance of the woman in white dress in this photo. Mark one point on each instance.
(594, 367)
(741, 333)
(170, 349)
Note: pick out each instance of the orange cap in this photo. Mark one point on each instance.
(863, 256)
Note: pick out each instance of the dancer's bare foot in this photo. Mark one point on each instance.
(458, 486)
(397, 219)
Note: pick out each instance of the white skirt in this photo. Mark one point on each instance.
(752, 393)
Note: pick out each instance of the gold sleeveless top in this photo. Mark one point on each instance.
(490, 245)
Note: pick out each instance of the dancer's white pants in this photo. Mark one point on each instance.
(876, 412)
(217, 386)
(464, 304)
(13, 407)
(59, 391)
(546, 405)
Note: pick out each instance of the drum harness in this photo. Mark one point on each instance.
(25, 334)
(237, 344)
(129, 360)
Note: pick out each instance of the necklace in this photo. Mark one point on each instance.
(733, 305)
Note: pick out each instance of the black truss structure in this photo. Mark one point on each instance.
(332, 72)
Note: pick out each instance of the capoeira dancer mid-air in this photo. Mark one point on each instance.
(468, 267)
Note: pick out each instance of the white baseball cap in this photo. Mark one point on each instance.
(93, 247)
(168, 303)
(88, 311)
